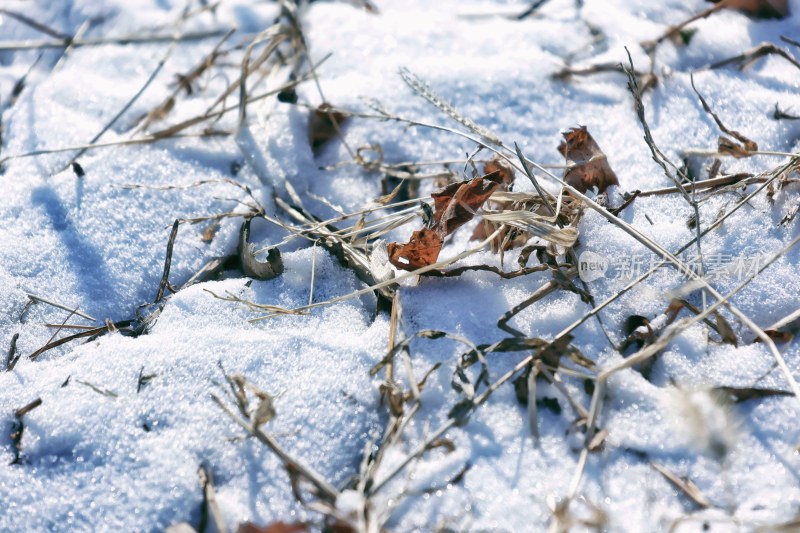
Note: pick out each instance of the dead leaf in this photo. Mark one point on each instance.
(509, 238)
(588, 165)
(765, 9)
(500, 165)
(324, 125)
(454, 206)
(252, 267)
(275, 527)
(422, 250)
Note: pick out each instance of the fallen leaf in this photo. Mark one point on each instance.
(508, 238)
(454, 206)
(275, 527)
(324, 125)
(765, 9)
(500, 165)
(587, 164)
(422, 250)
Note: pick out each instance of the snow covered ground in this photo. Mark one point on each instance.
(108, 450)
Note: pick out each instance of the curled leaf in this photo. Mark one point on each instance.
(500, 165)
(587, 164)
(252, 267)
(456, 204)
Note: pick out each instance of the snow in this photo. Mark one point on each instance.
(128, 459)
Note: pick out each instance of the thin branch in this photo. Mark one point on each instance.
(129, 39)
(167, 261)
(35, 299)
(326, 489)
(38, 26)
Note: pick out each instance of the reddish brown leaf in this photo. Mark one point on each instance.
(588, 165)
(422, 250)
(500, 165)
(455, 205)
(275, 527)
(324, 125)
(759, 8)
(484, 229)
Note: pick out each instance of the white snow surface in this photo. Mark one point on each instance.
(128, 460)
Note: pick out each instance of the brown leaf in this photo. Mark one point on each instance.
(500, 165)
(766, 9)
(504, 240)
(422, 250)
(456, 204)
(588, 165)
(324, 125)
(275, 527)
